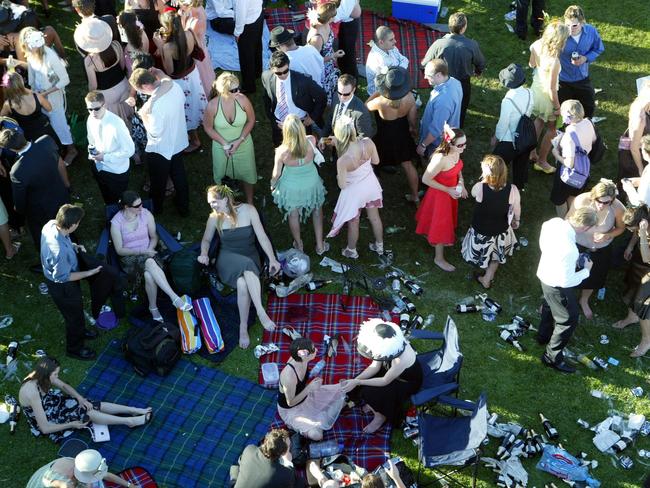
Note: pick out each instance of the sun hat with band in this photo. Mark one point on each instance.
(93, 35)
(393, 83)
(512, 76)
(90, 466)
(380, 341)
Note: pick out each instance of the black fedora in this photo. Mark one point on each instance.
(280, 35)
(394, 83)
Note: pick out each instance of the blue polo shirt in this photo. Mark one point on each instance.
(443, 106)
(58, 256)
(590, 46)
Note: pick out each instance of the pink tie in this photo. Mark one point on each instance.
(283, 106)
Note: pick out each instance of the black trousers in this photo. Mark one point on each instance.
(582, 90)
(161, 168)
(348, 35)
(519, 162)
(250, 54)
(111, 185)
(536, 16)
(67, 298)
(559, 319)
(467, 93)
(108, 283)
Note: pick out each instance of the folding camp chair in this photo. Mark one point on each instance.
(453, 441)
(440, 367)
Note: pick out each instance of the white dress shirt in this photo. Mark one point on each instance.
(219, 9)
(509, 117)
(308, 61)
(557, 265)
(344, 10)
(165, 125)
(290, 105)
(377, 59)
(110, 137)
(246, 12)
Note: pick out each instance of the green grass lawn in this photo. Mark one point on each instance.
(518, 387)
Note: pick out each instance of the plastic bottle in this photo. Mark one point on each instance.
(325, 448)
(317, 369)
(583, 359)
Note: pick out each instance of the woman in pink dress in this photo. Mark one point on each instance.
(437, 216)
(359, 187)
(195, 20)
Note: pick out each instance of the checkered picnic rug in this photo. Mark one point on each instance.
(202, 420)
(313, 315)
(413, 39)
(137, 476)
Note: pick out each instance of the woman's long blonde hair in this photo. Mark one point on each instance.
(345, 134)
(554, 39)
(37, 53)
(219, 192)
(294, 137)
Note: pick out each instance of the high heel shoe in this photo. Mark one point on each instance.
(155, 314)
(181, 304)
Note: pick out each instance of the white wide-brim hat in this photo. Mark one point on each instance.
(380, 340)
(90, 466)
(93, 35)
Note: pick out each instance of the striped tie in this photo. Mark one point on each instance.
(283, 107)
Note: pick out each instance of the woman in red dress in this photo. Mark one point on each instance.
(437, 216)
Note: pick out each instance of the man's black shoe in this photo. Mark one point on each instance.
(562, 367)
(90, 334)
(83, 354)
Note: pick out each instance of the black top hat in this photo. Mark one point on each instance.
(513, 76)
(393, 84)
(280, 35)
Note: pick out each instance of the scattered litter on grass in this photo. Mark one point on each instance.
(510, 16)
(493, 358)
(510, 29)
(6, 321)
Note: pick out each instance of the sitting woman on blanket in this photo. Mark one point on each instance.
(58, 411)
(309, 408)
(392, 377)
(88, 467)
(238, 264)
(133, 231)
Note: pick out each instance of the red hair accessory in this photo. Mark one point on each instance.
(169, 9)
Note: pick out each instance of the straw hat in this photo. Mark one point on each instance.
(393, 83)
(90, 466)
(380, 341)
(93, 35)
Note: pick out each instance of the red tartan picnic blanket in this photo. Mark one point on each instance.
(137, 476)
(313, 315)
(413, 39)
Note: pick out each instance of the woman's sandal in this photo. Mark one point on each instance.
(350, 253)
(377, 247)
(180, 304)
(326, 247)
(155, 314)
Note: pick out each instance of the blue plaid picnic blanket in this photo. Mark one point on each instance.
(413, 38)
(313, 315)
(203, 419)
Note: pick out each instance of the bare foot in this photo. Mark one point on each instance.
(138, 421)
(267, 323)
(244, 340)
(586, 310)
(367, 409)
(629, 320)
(640, 350)
(376, 423)
(533, 155)
(444, 265)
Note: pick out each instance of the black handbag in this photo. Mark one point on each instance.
(525, 136)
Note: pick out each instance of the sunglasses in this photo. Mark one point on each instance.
(341, 94)
(136, 206)
(606, 202)
(281, 73)
(460, 146)
(95, 109)
(235, 90)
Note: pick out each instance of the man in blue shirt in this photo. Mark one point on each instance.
(582, 48)
(443, 106)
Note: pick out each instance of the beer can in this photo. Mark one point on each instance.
(637, 391)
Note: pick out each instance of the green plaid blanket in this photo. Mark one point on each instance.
(202, 420)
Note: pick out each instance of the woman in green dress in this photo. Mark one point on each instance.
(229, 120)
(296, 187)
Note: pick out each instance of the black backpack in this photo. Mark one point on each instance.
(525, 136)
(153, 347)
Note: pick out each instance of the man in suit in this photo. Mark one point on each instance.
(38, 179)
(345, 102)
(289, 92)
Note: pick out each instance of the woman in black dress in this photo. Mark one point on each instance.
(26, 108)
(238, 262)
(396, 118)
(392, 377)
